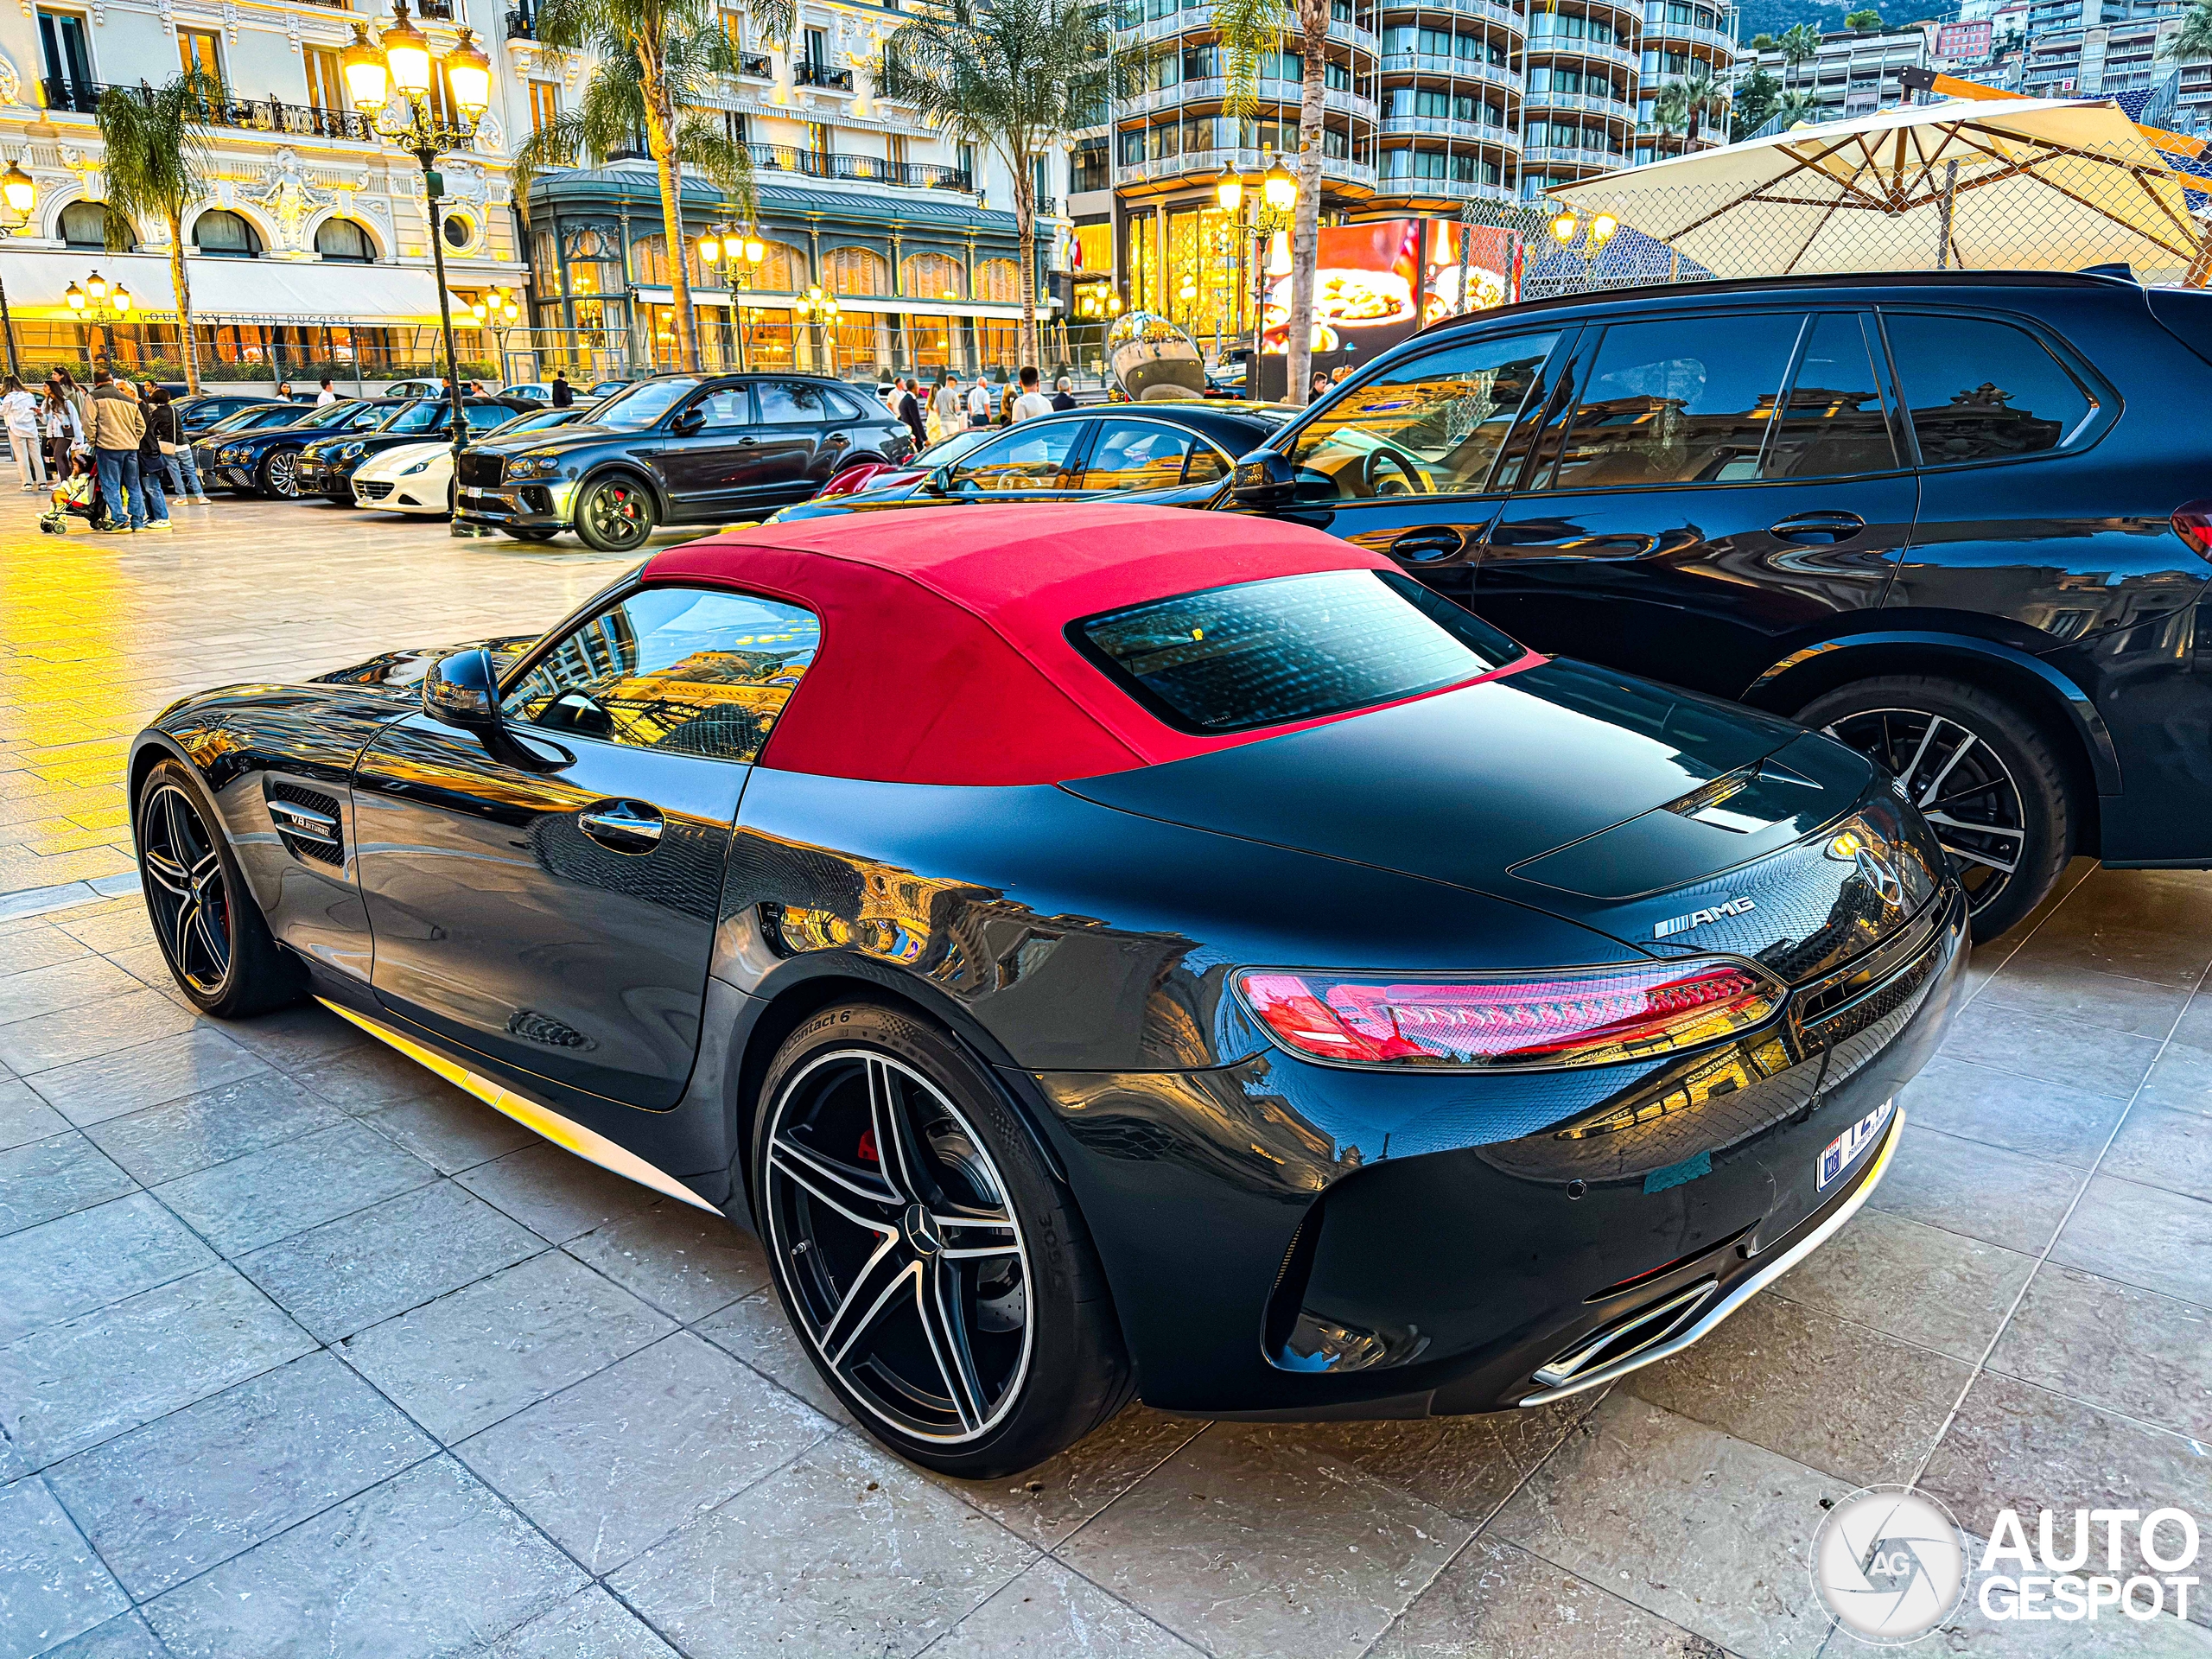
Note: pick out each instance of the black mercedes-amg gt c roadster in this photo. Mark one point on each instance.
(1102, 959)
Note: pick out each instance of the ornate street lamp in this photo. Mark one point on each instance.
(817, 307)
(733, 246)
(1263, 210)
(399, 66)
(20, 196)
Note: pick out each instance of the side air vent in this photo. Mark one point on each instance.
(1624, 1339)
(307, 822)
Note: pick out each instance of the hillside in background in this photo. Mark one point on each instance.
(1772, 16)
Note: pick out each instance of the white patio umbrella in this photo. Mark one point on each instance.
(2026, 184)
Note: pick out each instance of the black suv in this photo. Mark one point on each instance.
(1952, 519)
(677, 449)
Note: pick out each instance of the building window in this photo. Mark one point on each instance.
(855, 270)
(544, 104)
(998, 281)
(932, 276)
(341, 242)
(84, 224)
(326, 79)
(817, 139)
(219, 234)
(818, 48)
(200, 50)
(894, 149)
(735, 127)
(68, 61)
(459, 230)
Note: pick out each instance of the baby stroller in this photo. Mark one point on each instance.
(75, 497)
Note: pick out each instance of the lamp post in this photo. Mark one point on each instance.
(817, 307)
(740, 251)
(102, 306)
(1267, 211)
(20, 195)
(497, 311)
(400, 63)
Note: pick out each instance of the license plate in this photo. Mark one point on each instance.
(1843, 1151)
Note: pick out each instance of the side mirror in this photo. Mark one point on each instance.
(462, 691)
(938, 482)
(1265, 479)
(688, 422)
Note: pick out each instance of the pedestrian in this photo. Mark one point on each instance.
(80, 399)
(1320, 385)
(21, 411)
(284, 390)
(179, 470)
(1004, 415)
(1062, 395)
(944, 403)
(117, 428)
(979, 404)
(1031, 403)
(564, 395)
(149, 465)
(909, 410)
(1339, 372)
(65, 434)
(324, 399)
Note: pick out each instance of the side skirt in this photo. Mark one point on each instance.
(588, 1144)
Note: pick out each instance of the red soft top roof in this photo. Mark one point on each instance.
(944, 658)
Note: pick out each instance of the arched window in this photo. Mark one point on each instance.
(221, 235)
(780, 266)
(84, 224)
(933, 277)
(998, 281)
(342, 242)
(649, 260)
(856, 270)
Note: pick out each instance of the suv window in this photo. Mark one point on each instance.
(1831, 424)
(673, 668)
(1979, 390)
(724, 409)
(791, 403)
(1680, 402)
(1033, 458)
(1431, 426)
(841, 407)
(1135, 455)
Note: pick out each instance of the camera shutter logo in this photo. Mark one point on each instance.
(1889, 1564)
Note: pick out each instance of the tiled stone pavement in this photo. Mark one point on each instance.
(301, 1350)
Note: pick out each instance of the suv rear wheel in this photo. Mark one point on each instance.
(1981, 772)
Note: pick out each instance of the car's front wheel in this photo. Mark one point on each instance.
(1981, 772)
(280, 474)
(614, 515)
(939, 1276)
(213, 935)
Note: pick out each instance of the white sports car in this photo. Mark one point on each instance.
(418, 477)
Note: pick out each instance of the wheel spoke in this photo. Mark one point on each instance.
(1926, 738)
(211, 938)
(1973, 857)
(822, 1181)
(950, 1222)
(894, 1147)
(937, 1297)
(171, 876)
(1937, 783)
(1948, 822)
(2001, 781)
(873, 1288)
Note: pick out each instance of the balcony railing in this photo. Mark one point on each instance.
(1561, 154)
(821, 74)
(67, 97)
(873, 169)
(1401, 184)
(1451, 68)
(1445, 126)
(1504, 17)
(522, 21)
(1574, 46)
(1210, 163)
(1595, 103)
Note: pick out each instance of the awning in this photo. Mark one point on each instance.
(269, 290)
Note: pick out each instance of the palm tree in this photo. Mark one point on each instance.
(156, 155)
(1792, 107)
(658, 62)
(2193, 40)
(1010, 75)
(1801, 43)
(1702, 91)
(1670, 109)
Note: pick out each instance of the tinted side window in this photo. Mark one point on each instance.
(1831, 424)
(1981, 389)
(841, 407)
(1433, 424)
(1135, 455)
(482, 417)
(725, 410)
(791, 403)
(673, 668)
(1207, 465)
(1680, 402)
(1032, 459)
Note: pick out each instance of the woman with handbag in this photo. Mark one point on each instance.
(177, 464)
(65, 433)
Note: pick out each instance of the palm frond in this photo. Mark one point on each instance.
(156, 151)
(1250, 29)
(703, 143)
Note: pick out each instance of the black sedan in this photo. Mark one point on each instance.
(682, 448)
(326, 465)
(1169, 454)
(266, 459)
(198, 414)
(1950, 519)
(1099, 960)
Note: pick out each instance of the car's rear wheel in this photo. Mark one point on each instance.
(213, 935)
(939, 1278)
(615, 515)
(1982, 773)
(280, 474)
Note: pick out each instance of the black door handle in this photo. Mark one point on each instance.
(1428, 544)
(746, 443)
(1819, 527)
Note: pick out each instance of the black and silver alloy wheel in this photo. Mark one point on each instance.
(280, 474)
(1981, 772)
(186, 893)
(907, 1269)
(614, 515)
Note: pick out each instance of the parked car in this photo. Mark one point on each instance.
(1174, 454)
(252, 418)
(1970, 543)
(198, 414)
(528, 390)
(326, 466)
(609, 388)
(263, 461)
(418, 477)
(1109, 951)
(682, 448)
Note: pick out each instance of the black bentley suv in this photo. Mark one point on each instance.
(1959, 521)
(677, 449)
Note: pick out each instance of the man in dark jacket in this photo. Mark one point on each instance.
(1062, 395)
(150, 469)
(910, 410)
(564, 396)
(116, 430)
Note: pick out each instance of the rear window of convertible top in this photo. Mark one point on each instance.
(1291, 648)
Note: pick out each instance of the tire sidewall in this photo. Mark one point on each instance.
(163, 774)
(1034, 1428)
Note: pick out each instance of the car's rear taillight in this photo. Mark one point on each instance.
(2192, 522)
(1571, 1017)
